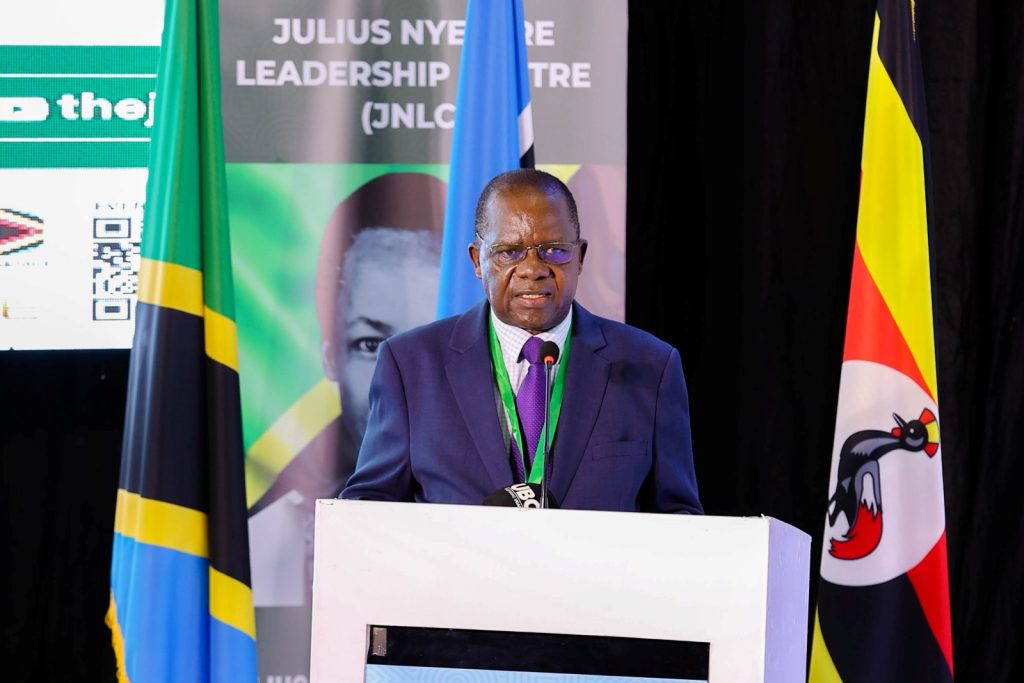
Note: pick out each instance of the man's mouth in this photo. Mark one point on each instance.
(533, 299)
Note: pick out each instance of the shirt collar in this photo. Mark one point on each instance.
(512, 338)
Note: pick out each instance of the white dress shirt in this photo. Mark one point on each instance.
(511, 340)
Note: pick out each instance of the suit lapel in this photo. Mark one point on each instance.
(471, 378)
(585, 381)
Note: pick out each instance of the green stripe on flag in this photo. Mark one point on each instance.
(218, 286)
(173, 194)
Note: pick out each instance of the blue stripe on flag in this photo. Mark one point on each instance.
(233, 654)
(493, 89)
(162, 598)
(160, 595)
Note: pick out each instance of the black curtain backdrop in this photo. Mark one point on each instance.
(744, 159)
(744, 133)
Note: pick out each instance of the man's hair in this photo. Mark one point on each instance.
(519, 180)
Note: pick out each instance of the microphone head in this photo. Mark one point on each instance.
(549, 355)
(519, 496)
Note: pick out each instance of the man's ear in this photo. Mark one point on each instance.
(327, 358)
(474, 256)
(583, 254)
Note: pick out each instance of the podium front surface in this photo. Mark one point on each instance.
(737, 584)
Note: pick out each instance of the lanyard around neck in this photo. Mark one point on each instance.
(508, 400)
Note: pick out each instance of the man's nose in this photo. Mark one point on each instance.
(532, 266)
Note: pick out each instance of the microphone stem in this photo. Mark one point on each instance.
(546, 439)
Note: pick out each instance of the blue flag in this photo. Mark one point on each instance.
(493, 133)
(180, 598)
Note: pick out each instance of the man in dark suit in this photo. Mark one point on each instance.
(451, 416)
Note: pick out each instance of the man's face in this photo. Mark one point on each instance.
(532, 295)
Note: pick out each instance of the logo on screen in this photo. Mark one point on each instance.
(20, 231)
(24, 109)
(83, 105)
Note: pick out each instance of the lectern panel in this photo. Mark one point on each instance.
(739, 584)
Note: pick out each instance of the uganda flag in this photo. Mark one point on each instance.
(181, 603)
(883, 600)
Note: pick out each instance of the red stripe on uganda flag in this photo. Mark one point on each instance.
(931, 583)
(871, 331)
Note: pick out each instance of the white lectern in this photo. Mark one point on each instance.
(739, 584)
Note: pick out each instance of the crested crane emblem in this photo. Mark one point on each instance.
(858, 492)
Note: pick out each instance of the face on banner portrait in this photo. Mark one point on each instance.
(338, 120)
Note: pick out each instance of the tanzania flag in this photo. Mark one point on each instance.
(181, 604)
(493, 133)
(883, 601)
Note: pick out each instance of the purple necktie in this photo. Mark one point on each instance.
(530, 404)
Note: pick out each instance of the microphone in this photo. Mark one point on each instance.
(549, 355)
(518, 496)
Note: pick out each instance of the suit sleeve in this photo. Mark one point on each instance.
(383, 470)
(674, 483)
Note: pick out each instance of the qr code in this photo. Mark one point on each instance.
(115, 268)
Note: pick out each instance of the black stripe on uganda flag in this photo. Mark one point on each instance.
(880, 633)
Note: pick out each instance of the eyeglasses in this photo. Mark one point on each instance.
(554, 253)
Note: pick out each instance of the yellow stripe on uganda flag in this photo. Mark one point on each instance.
(892, 226)
(823, 670)
(231, 602)
(158, 523)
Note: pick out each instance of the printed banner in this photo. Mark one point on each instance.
(338, 123)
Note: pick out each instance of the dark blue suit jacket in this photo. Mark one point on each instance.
(622, 442)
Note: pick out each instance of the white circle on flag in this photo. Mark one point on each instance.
(913, 514)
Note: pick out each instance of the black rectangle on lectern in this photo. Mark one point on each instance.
(396, 652)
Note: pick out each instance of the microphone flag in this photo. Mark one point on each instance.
(521, 495)
(180, 591)
(493, 133)
(883, 599)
